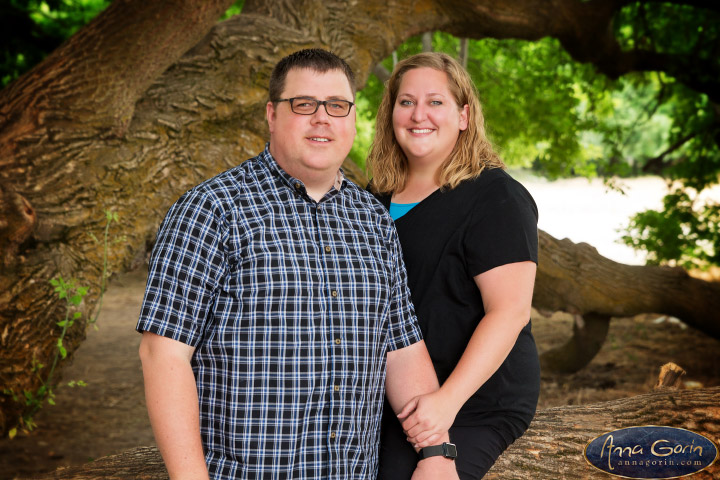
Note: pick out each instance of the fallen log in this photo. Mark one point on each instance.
(574, 278)
(552, 449)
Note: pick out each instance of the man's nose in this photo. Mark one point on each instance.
(321, 115)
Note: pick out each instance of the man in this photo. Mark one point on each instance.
(276, 301)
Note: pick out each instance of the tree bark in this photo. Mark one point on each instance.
(589, 334)
(576, 279)
(152, 97)
(552, 448)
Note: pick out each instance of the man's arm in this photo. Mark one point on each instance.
(409, 374)
(172, 402)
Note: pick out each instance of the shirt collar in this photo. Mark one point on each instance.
(295, 183)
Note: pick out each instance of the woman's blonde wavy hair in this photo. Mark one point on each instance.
(472, 152)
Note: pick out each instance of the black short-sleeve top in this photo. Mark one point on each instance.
(449, 238)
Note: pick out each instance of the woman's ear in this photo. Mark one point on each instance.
(464, 112)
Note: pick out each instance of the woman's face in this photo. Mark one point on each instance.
(426, 119)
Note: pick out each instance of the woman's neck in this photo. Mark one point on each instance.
(419, 186)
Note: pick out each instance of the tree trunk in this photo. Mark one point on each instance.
(124, 117)
(552, 449)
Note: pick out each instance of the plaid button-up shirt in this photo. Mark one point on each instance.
(291, 306)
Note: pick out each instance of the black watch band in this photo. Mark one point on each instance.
(447, 450)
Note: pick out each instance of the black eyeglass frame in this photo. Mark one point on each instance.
(324, 103)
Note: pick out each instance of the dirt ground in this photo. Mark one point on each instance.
(108, 416)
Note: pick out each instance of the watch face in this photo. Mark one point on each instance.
(450, 450)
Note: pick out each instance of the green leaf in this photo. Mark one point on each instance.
(51, 401)
(12, 433)
(77, 315)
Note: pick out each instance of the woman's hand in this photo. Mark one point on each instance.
(426, 417)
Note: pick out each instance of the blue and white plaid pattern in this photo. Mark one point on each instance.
(291, 305)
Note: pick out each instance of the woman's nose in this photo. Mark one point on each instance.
(418, 113)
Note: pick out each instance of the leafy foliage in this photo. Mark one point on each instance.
(681, 234)
(31, 29)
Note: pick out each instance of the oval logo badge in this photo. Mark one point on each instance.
(651, 452)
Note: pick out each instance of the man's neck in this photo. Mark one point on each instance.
(317, 190)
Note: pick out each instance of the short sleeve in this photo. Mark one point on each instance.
(502, 228)
(186, 266)
(403, 327)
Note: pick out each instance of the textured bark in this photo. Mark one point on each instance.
(552, 449)
(553, 446)
(589, 334)
(151, 98)
(575, 278)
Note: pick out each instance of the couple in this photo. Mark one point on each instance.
(279, 314)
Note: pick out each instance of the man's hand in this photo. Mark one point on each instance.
(435, 468)
(426, 417)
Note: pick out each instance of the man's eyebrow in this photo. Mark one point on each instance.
(331, 97)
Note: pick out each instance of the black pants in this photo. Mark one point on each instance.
(478, 449)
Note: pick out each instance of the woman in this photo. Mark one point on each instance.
(469, 238)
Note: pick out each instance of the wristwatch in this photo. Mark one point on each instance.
(447, 450)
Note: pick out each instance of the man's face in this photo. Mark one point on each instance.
(311, 147)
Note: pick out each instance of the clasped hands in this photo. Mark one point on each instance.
(426, 419)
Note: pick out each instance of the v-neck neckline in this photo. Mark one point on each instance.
(419, 204)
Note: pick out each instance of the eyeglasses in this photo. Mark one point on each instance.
(308, 106)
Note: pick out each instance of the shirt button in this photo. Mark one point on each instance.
(338, 341)
(298, 185)
(336, 388)
(328, 249)
(332, 435)
(334, 293)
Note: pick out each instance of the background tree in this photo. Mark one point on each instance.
(150, 98)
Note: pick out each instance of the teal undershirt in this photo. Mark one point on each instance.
(397, 210)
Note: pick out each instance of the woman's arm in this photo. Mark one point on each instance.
(507, 297)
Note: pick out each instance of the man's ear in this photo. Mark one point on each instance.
(270, 116)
